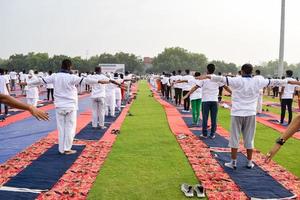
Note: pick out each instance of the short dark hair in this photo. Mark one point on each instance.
(174, 73)
(116, 75)
(289, 73)
(179, 71)
(219, 73)
(187, 71)
(98, 70)
(66, 64)
(247, 69)
(50, 72)
(211, 68)
(1, 71)
(197, 74)
(257, 72)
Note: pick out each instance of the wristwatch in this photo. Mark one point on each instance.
(280, 141)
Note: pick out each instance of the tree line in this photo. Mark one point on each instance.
(169, 60)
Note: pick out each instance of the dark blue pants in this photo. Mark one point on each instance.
(212, 108)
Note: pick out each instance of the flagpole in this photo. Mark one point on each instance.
(281, 48)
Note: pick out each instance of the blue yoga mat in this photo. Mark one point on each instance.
(218, 141)
(42, 173)
(19, 135)
(256, 183)
(89, 133)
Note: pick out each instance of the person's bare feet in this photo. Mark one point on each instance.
(70, 152)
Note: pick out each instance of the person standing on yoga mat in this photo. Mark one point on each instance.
(66, 103)
(98, 99)
(210, 92)
(287, 96)
(196, 98)
(178, 88)
(185, 90)
(245, 93)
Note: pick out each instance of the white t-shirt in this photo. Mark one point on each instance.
(210, 90)
(118, 89)
(245, 92)
(197, 94)
(261, 91)
(65, 91)
(165, 80)
(3, 85)
(13, 75)
(187, 86)
(23, 77)
(98, 90)
(289, 90)
(178, 78)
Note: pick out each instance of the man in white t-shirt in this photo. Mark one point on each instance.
(287, 96)
(210, 92)
(178, 88)
(261, 93)
(4, 89)
(98, 99)
(186, 87)
(23, 77)
(245, 92)
(13, 79)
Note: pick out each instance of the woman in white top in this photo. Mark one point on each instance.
(32, 92)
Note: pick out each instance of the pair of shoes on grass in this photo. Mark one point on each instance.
(189, 190)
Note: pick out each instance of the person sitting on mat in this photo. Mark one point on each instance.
(290, 131)
(245, 93)
(12, 102)
(66, 102)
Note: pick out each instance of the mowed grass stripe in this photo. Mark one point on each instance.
(146, 161)
(265, 137)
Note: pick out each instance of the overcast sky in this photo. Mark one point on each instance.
(231, 30)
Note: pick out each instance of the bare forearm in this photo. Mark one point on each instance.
(292, 128)
(8, 100)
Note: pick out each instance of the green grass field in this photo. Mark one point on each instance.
(146, 161)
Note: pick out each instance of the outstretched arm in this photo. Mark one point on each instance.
(8, 100)
(292, 129)
(191, 91)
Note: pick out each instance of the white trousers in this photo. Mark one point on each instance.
(118, 103)
(98, 112)
(66, 119)
(32, 101)
(259, 103)
(110, 107)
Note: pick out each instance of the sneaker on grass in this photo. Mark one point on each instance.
(199, 189)
(187, 190)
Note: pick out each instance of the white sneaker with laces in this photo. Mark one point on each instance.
(230, 165)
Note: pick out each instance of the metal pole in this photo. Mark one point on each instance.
(281, 48)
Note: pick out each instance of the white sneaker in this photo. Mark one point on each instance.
(250, 165)
(187, 190)
(199, 189)
(230, 165)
